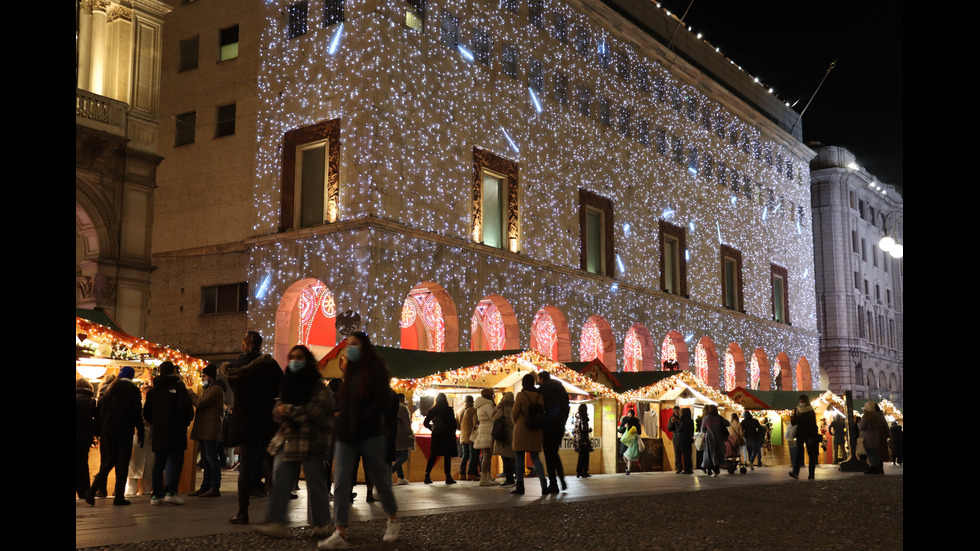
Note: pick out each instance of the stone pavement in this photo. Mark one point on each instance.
(105, 525)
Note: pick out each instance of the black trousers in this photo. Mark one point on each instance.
(115, 455)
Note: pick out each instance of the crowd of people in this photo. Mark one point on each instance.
(286, 419)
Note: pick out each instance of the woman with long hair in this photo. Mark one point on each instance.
(583, 444)
(442, 422)
(304, 411)
(362, 402)
(528, 435)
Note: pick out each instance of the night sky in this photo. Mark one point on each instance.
(789, 45)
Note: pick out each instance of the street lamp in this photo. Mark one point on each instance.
(889, 243)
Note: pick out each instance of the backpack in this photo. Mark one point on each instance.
(535, 416)
(499, 431)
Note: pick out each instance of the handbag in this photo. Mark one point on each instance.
(699, 441)
(499, 431)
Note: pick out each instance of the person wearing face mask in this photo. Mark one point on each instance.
(805, 421)
(207, 430)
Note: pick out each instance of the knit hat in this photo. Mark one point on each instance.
(869, 406)
(211, 371)
(127, 372)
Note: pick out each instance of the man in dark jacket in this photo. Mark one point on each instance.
(752, 432)
(254, 379)
(683, 428)
(119, 412)
(169, 412)
(555, 416)
(805, 421)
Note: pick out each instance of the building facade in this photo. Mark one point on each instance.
(860, 288)
(485, 175)
(117, 102)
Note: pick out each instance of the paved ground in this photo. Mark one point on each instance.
(764, 509)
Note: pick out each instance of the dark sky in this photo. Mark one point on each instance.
(790, 44)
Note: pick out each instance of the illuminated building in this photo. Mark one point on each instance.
(117, 76)
(549, 171)
(860, 288)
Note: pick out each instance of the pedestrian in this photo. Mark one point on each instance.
(528, 417)
(442, 424)
(752, 432)
(715, 429)
(556, 415)
(683, 428)
(629, 421)
(207, 431)
(897, 443)
(362, 403)
(838, 431)
(86, 427)
(169, 411)
(805, 421)
(503, 434)
(304, 411)
(735, 426)
(254, 379)
(120, 413)
(870, 427)
(468, 464)
(404, 439)
(482, 440)
(582, 441)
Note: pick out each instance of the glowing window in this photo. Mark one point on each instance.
(422, 316)
(544, 335)
(228, 43)
(591, 346)
(633, 351)
(701, 361)
(488, 323)
(317, 316)
(729, 378)
(754, 373)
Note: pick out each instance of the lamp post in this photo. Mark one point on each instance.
(890, 241)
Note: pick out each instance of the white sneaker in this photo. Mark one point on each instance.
(154, 500)
(402, 482)
(170, 498)
(391, 534)
(335, 541)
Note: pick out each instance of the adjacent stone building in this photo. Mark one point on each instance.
(117, 101)
(860, 288)
(481, 174)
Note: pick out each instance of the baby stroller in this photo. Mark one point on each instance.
(733, 455)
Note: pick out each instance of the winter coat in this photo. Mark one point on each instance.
(805, 420)
(582, 442)
(169, 411)
(120, 411)
(752, 430)
(869, 429)
(254, 379)
(86, 420)
(210, 412)
(526, 439)
(714, 428)
(305, 430)
(362, 412)
(404, 437)
(484, 413)
(503, 411)
(466, 422)
(444, 436)
(683, 428)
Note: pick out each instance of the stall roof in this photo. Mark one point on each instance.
(414, 364)
(772, 399)
(629, 380)
(98, 316)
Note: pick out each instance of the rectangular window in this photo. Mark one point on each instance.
(677, 147)
(224, 299)
(226, 121)
(584, 100)
(510, 5)
(731, 278)
(595, 225)
(188, 54)
(535, 13)
(874, 254)
(642, 78)
(561, 88)
(624, 121)
(561, 27)
(310, 178)
(536, 76)
(854, 241)
(298, 19)
(605, 56)
(623, 66)
(228, 43)
(643, 132)
(605, 106)
(692, 160)
(415, 15)
(333, 12)
(780, 294)
(662, 141)
(862, 329)
(582, 41)
(185, 127)
(449, 31)
(864, 249)
(482, 47)
(673, 259)
(509, 60)
(495, 207)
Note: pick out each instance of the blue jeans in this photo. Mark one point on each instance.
(284, 477)
(173, 462)
(372, 450)
(538, 468)
(212, 466)
(468, 455)
(401, 456)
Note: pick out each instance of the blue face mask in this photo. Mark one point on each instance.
(353, 353)
(296, 365)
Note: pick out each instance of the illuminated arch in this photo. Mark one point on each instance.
(804, 380)
(706, 362)
(494, 325)
(784, 377)
(734, 368)
(550, 336)
(597, 342)
(307, 315)
(639, 353)
(759, 374)
(675, 349)
(428, 320)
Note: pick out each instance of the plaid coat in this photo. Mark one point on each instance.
(305, 429)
